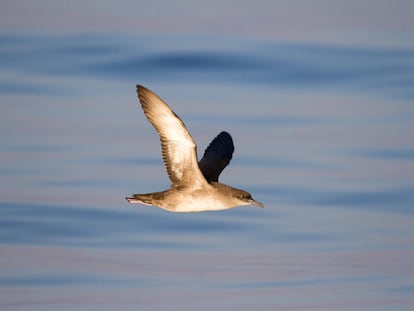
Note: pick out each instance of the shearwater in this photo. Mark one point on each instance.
(195, 186)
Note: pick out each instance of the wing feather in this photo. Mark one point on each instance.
(179, 151)
(217, 156)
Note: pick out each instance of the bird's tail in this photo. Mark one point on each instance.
(145, 199)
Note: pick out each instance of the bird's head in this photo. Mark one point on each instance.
(245, 198)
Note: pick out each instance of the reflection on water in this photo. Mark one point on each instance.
(322, 137)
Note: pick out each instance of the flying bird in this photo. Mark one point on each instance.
(195, 185)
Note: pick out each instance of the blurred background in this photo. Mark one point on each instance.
(319, 98)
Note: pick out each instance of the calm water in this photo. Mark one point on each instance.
(323, 136)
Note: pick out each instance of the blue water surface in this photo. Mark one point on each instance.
(323, 136)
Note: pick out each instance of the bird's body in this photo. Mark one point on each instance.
(211, 197)
(195, 186)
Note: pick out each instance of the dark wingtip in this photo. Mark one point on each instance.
(225, 133)
(140, 87)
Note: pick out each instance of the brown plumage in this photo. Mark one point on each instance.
(195, 186)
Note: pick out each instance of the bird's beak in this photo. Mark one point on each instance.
(256, 203)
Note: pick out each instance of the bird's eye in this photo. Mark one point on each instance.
(245, 196)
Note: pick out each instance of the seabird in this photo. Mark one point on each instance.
(195, 186)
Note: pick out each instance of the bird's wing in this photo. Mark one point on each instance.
(217, 156)
(179, 150)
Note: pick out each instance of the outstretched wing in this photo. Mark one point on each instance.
(178, 147)
(217, 156)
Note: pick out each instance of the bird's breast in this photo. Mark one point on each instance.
(196, 201)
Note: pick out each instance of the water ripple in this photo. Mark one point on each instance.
(363, 69)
